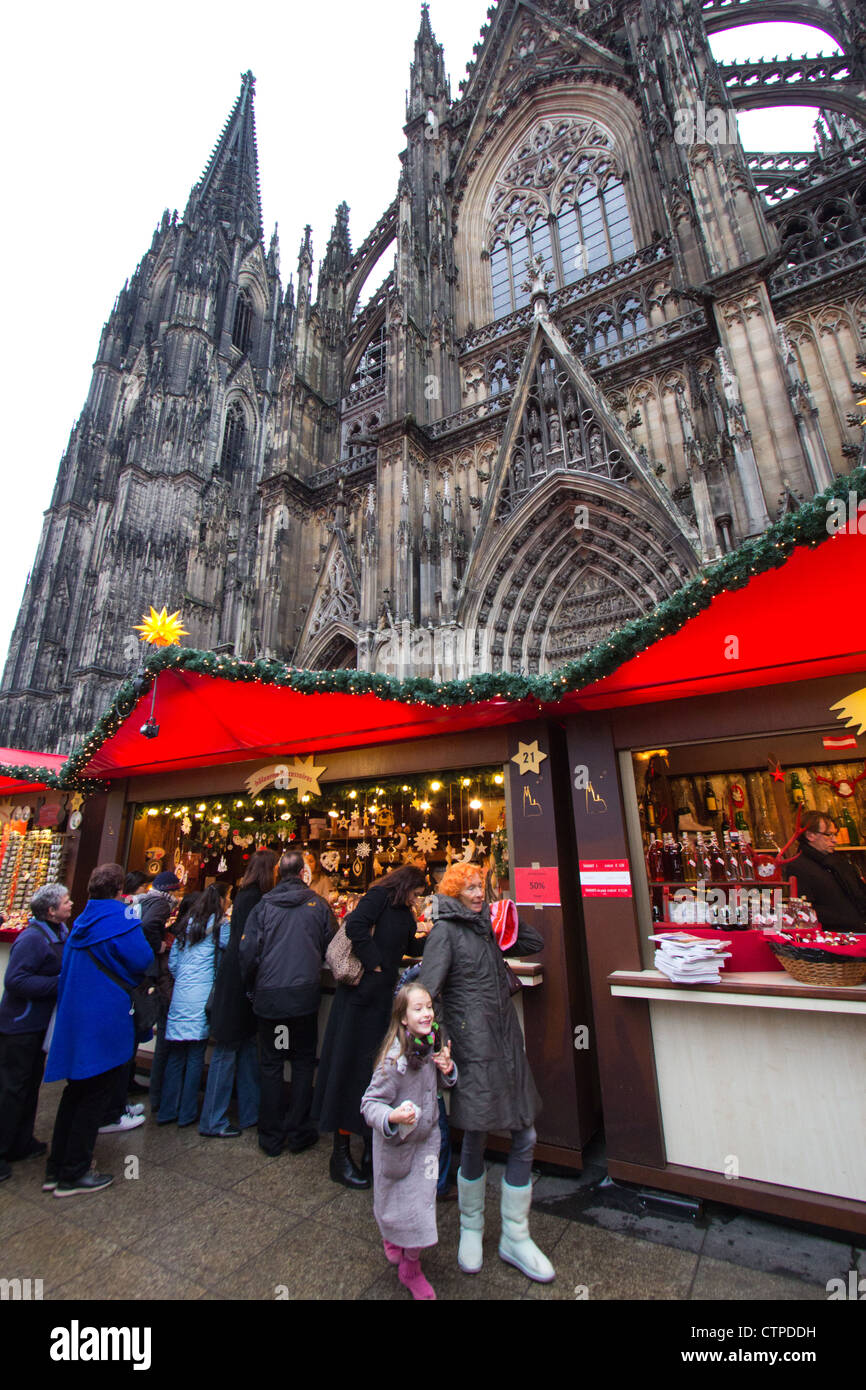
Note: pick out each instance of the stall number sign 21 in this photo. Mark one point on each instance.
(529, 757)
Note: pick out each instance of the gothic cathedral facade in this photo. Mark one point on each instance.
(611, 348)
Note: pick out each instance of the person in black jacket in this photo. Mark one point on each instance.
(382, 931)
(30, 993)
(282, 950)
(233, 1025)
(826, 879)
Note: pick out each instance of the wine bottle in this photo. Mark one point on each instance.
(710, 798)
(672, 860)
(798, 796)
(849, 823)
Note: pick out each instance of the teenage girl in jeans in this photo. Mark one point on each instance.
(193, 962)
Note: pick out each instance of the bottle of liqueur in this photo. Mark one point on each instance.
(798, 796)
(740, 822)
(765, 838)
(848, 823)
(689, 858)
(672, 861)
(655, 867)
(710, 798)
(702, 856)
(747, 857)
(732, 860)
(718, 870)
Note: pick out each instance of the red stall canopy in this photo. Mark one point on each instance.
(18, 758)
(802, 620)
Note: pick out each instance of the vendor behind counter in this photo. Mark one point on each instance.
(832, 885)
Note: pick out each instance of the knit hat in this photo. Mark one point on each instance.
(166, 881)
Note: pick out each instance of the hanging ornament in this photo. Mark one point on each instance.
(186, 825)
(222, 865)
(842, 786)
(426, 840)
(451, 815)
(330, 861)
(364, 849)
(775, 768)
(358, 868)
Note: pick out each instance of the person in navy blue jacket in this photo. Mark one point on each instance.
(105, 956)
(32, 977)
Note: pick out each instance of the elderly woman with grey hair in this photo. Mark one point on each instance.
(30, 993)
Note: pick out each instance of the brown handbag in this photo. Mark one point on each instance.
(341, 959)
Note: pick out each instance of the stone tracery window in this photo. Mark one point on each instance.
(371, 367)
(243, 321)
(561, 196)
(234, 439)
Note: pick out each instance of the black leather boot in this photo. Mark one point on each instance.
(342, 1168)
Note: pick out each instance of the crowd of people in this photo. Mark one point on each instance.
(145, 959)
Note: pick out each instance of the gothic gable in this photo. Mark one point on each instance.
(335, 606)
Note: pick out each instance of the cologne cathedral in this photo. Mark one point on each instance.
(610, 347)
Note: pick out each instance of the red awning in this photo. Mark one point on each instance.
(798, 622)
(17, 757)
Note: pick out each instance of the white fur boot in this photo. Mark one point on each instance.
(470, 1199)
(515, 1245)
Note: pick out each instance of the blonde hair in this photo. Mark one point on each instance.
(457, 877)
(397, 1030)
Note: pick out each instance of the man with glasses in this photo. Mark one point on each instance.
(831, 884)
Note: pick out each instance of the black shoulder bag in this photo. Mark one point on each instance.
(144, 999)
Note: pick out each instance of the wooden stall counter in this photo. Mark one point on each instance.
(761, 1092)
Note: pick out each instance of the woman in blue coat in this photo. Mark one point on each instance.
(193, 962)
(105, 956)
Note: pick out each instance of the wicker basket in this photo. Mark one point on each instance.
(812, 966)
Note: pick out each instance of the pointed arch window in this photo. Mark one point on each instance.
(234, 441)
(242, 328)
(562, 197)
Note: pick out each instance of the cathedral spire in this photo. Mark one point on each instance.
(229, 185)
(427, 77)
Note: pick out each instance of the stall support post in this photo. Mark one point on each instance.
(629, 1090)
(111, 844)
(564, 1072)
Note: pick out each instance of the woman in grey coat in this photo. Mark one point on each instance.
(495, 1091)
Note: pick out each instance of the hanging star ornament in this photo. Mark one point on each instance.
(162, 629)
(304, 776)
(852, 710)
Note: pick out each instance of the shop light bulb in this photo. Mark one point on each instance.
(239, 803)
(333, 814)
(260, 803)
(425, 806)
(499, 779)
(285, 816)
(202, 806)
(218, 805)
(353, 795)
(405, 789)
(475, 804)
(153, 811)
(184, 808)
(435, 786)
(467, 782)
(281, 801)
(305, 799)
(215, 819)
(248, 818)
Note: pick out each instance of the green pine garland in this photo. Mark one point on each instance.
(61, 780)
(806, 526)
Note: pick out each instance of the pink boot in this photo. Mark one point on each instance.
(393, 1253)
(410, 1275)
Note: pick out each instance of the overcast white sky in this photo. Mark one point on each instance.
(111, 111)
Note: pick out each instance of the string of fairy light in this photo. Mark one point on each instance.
(380, 808)
(807, 526)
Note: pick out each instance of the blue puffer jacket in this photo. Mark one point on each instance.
(94, 1030)
(193, 971)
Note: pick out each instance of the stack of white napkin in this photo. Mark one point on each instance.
(690, 960)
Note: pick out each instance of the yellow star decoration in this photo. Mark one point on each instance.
(162, 629)
(853, 710)
(304, 777)
(529, 757)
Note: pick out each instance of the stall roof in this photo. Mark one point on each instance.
(14, 770)
(801, 619)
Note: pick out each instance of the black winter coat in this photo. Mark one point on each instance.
(232, 1018)
(360, 1014)
(282, 950)
(832, 886)
(464, 965)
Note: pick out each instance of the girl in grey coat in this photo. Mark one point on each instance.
(400, 1107)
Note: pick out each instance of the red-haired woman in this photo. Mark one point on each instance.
(495, 1090)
